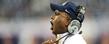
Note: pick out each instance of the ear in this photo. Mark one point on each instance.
(67, 19)
(67, 23)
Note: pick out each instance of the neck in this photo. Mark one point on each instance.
(61, 35)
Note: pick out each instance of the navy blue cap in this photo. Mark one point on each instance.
(68, 7)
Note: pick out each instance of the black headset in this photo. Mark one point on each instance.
(75, 24)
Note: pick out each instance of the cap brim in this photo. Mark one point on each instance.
(57, 7)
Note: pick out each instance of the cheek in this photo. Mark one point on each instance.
(64, 22)
(60, 23)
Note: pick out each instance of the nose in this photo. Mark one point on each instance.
(52, 17)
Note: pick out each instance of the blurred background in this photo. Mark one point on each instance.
(27, 21)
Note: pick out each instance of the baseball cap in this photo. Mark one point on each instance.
(67, 7)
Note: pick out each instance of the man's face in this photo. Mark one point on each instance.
(59, 22)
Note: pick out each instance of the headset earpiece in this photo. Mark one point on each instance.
(74, 26)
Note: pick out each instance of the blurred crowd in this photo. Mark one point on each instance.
(27, 21)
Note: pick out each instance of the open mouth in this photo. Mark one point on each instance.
(51, 28)
(51, 25)
(51, 22)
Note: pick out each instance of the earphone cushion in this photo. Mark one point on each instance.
(74, 26)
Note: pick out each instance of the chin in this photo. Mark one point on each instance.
(57, 32)
(54, 33)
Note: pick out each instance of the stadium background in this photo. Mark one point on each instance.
(27, 21)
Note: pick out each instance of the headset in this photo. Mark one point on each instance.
(75, 24)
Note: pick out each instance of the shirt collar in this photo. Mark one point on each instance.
(61, 35)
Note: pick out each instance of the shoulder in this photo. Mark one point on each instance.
(76, 39)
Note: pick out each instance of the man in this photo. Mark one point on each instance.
(66, 23)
